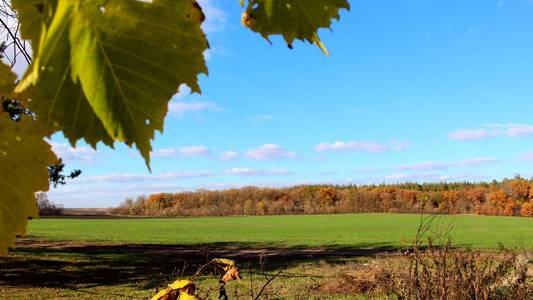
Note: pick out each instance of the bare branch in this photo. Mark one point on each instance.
(10, 26)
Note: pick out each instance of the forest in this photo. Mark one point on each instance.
(508, 197)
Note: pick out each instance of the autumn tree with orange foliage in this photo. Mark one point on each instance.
(503, 204)
(505, 198)
(520, 188)
(527, 209)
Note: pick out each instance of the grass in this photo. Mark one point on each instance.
(129, 258)
(369, 231)
(118, 273)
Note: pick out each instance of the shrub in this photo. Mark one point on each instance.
(443, 272)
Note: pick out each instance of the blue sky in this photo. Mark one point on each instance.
(413, 90)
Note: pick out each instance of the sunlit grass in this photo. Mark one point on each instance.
(352, 230)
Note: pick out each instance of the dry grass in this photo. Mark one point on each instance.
(83, 273)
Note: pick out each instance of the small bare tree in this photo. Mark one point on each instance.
(47, 207)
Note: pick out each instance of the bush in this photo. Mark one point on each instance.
(443, 272)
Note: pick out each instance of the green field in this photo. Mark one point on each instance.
(356, 230)
(80, 258)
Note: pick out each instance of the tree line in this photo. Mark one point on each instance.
(508, 197)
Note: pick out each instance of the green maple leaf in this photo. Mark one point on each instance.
(58, 102)
(293, 19)
(36, 15)
(24, 156)
(114, 65)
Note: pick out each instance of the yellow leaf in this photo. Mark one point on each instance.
(224, 262)
(7, 81)
(179, 284)
(24, 156)
(185, 296)
(232, 273)
(163, 294)
(185, 288)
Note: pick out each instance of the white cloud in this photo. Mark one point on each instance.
(527, 156)
(169, 152)
(228, 156)
(67, 153)
(470, 134)
(368, 170)
(477, 161)
(106, 195)
(195, 150)
(399, 145)
(183, 91)
(431, 166)
(318, 158)
(326, 173)
(515, 130)
(510, 130)
(364, 146)
(416, 176)
(424, 166)
(135, 177)
(180, 108)
(263, 118)
(269, 152)
(189, 151)
(242, 171)
(431, 177)
(216, 18)
(255, 172)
